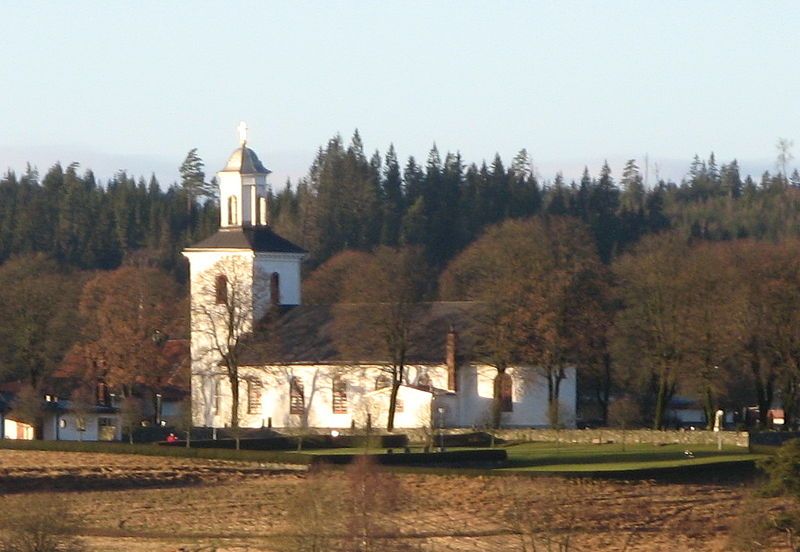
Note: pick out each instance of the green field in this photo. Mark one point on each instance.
(549, 457)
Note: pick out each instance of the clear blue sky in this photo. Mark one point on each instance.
(135, 85)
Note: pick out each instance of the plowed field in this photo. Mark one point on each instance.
(141, 503)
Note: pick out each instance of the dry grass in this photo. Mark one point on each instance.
(163, 504)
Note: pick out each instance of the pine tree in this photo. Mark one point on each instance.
(392, 196)
(193, 180)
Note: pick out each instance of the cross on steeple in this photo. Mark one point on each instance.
(242, 128)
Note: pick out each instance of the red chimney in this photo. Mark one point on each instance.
(451, 354)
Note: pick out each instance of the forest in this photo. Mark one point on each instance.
(652, 291)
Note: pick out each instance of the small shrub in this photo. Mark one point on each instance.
(783, 470)
(39, 523)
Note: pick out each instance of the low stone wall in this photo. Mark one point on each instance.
(586, 436)
(597, 436)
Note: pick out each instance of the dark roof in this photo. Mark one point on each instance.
(66, 406)
(352, 333)
(255, 238)
(245, 161)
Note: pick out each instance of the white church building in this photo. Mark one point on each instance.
(246, 289)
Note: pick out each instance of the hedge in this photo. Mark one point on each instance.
(282, 442)
(450, 458)
(154, 450)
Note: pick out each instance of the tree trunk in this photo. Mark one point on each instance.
(661, 400)
(392, 404)
(605, 393)
(234, 402)
(708, 407)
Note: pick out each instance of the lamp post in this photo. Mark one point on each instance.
(440, 410)
(158, 409)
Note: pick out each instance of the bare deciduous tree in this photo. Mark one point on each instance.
(380, 311)
(228, 302)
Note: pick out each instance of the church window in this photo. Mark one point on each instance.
(297, 403)
(339, 388)
(382, 382)
(262, 210)
(218, 397)
(253, 397)
(275, 288)
(504, 388)
(221, 289)
(424, 381)
(233, 215)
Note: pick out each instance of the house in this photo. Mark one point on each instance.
(65, 421)
(303, 366)
(11, 427)
(61, 419)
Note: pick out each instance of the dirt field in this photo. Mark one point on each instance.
(139, 503)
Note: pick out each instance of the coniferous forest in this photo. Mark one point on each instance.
(350, 200)
(62, 231)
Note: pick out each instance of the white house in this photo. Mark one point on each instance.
(97, 423)
(295, 370)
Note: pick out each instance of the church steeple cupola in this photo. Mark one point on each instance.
(243, 187)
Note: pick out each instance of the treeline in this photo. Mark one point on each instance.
(71, 218)
(350, 201)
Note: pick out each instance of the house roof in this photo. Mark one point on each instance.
(354, 333)
(63, 405)
(253, 238)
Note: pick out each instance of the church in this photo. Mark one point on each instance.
(248, 324)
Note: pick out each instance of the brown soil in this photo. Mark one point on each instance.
(139, 503)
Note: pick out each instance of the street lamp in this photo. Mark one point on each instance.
(441, 428)
(158, 409)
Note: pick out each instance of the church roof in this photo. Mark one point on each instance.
(254, 238)
(245, 161)
(352, 333)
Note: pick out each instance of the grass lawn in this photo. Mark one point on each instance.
(545, 457)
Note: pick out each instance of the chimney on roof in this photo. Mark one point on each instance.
(451, 358)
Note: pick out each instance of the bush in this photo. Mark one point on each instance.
(783, 470)
(39, 523)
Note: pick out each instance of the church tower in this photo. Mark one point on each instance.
(239, 272)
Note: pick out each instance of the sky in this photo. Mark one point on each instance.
(135, 85)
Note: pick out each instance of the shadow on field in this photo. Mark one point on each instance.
(94, 482)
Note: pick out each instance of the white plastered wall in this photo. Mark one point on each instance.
(470, 407)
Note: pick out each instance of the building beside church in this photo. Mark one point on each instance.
(292, 368)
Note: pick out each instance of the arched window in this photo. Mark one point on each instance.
(218, 396)
(275, 288)
(262, 210)
(382, 382)
(503, 392)
(339, 389)
(297, 404)
(221, 289)
(233, 211)
(424, 380)
(254, 396)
